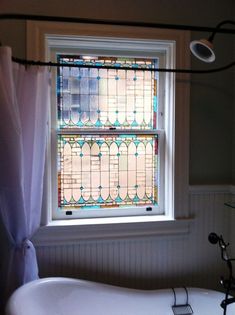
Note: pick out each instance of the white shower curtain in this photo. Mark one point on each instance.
(24, 99)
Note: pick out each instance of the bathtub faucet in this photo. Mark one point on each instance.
(214, 239)
(228, 284)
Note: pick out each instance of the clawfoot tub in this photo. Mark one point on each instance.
(65, 296)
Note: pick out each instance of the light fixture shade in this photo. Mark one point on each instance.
(203, 50)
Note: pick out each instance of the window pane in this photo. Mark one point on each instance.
(107, 170)
(104, 98)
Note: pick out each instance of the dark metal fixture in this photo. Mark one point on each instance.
(182, 309)
(48, 18)
(195, 46)
(228, 284)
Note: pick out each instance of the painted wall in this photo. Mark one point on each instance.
(233, 155)
(161, 261)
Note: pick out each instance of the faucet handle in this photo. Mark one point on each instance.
(226, 302)
(228, 283)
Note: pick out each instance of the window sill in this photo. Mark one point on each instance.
(71, 231)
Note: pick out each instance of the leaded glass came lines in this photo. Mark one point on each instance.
(107, 171)
(107, 98)
(107, 134)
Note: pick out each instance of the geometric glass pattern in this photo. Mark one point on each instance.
(107, 146)
(107, 98)
(97, 171)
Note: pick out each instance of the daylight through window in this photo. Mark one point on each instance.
(107, 139)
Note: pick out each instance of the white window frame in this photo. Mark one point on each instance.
(41, 35)
(86, 45)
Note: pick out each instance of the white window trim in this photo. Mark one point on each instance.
(177, 221)
(123, 47)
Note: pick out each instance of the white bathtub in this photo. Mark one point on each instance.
(64, 296)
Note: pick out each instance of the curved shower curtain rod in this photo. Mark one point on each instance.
(9, 16)
(58, 64)
(48, 18)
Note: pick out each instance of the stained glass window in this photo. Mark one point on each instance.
(107, 139)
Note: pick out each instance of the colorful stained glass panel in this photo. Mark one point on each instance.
(107, 170)
(104, 98)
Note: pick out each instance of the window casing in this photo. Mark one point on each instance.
(170, 46)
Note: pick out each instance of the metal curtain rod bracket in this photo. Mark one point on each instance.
(48, 18)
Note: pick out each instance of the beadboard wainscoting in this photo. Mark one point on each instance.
(151, 262)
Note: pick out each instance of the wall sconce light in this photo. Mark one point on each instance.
(203, 48)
